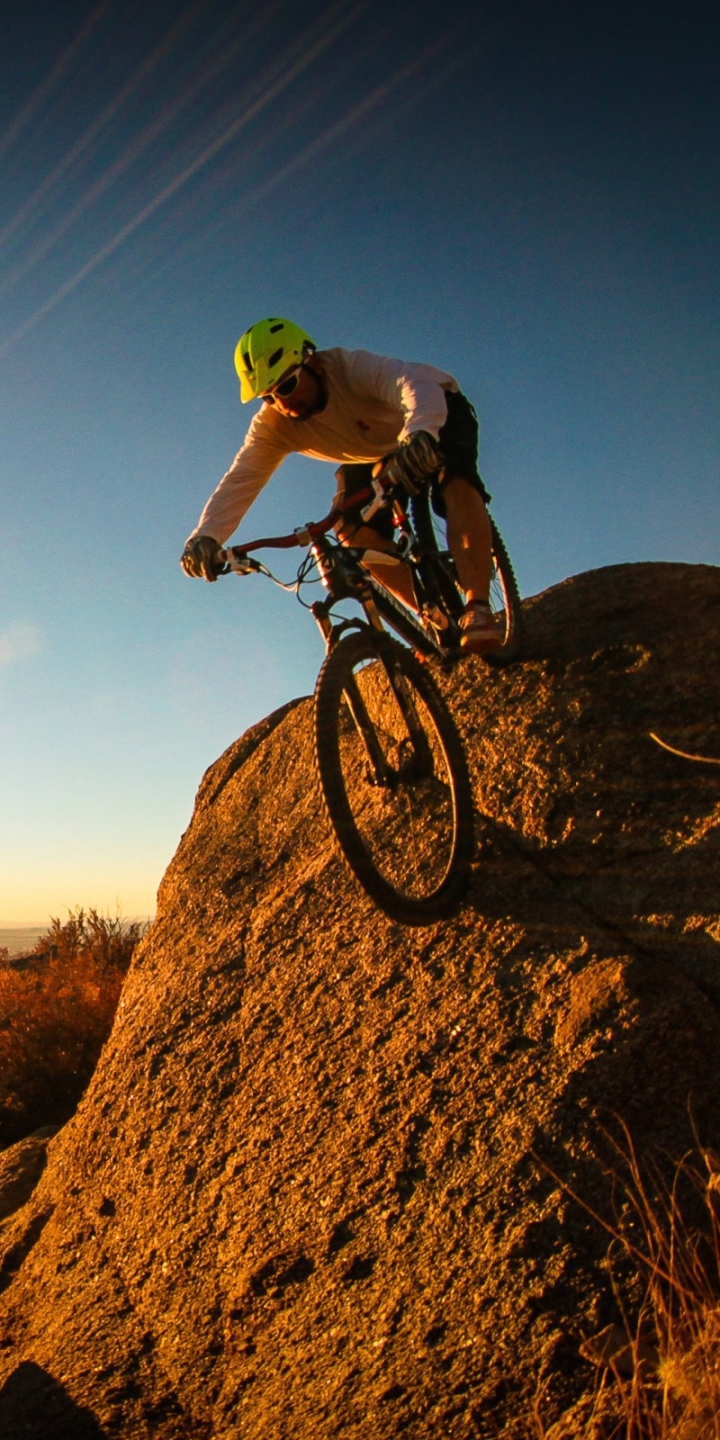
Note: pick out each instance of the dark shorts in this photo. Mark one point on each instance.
(459, 441)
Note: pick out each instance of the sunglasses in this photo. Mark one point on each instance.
(285, 388)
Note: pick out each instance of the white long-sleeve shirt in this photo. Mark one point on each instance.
(374, 403)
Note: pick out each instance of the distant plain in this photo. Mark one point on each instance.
(16, 938)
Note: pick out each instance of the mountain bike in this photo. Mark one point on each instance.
(390, 762)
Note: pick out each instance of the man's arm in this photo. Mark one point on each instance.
(418, 390)
(250, 471)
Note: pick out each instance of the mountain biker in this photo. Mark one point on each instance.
(358, 408)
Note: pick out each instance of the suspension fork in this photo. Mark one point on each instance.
(422, 754)
(421, 761)
(381, 771)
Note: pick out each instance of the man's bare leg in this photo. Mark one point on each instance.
(469, 537)
(396, 578)
(470, 541)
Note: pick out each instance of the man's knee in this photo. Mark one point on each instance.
(460, 495)
(363, 536)
(460, 485)
(346, 530)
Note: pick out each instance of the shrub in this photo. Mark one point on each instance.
(660, 1376)
(678, 1396)
(57, 1005)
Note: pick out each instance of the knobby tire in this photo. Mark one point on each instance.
(504, 593)
(395, 785)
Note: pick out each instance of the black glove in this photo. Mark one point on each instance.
(200, 558)
(414, 462)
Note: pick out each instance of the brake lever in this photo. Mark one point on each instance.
(239, 564)
(382, 497)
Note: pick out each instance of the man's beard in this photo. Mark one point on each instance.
(321, 399)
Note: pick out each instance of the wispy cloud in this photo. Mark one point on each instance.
(17, 641)
(52, 181)
(208, 73)
(324, 35)
(354, 117)
(58, 74)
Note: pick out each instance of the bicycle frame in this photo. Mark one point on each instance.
(388, 755)
(345, 577)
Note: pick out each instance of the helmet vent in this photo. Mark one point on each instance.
(266, 352)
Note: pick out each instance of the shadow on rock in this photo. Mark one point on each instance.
(34, 1406)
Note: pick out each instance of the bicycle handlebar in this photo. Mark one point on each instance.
(302, 536)
(379, 493)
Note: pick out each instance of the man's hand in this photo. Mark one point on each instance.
(414, 462)
(200, 558)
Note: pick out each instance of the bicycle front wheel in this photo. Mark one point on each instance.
(394, 778)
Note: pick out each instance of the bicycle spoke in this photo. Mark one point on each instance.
(400, 800)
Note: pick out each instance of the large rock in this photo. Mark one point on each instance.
(21, 1166)
(307, 1193)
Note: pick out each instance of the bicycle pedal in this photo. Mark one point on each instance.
(434, 618)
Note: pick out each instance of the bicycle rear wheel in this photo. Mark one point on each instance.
(504, 597)
(394, 778)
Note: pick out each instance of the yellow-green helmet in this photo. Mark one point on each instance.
(266, 351)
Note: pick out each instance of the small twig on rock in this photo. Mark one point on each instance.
(701, 759)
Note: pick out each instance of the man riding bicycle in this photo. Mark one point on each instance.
(357, 408)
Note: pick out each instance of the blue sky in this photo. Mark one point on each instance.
(524, 195)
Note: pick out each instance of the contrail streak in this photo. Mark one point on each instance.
(205, 192)
(165, 194)
(59, 70)
(359, 112)
(352, 118)
(375, 98)
(98, 125)
(165, 119)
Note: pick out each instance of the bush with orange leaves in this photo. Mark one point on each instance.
(57, 1005)
(659, 1369)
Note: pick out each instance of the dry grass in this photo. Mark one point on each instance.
(658, 1372)
(57, 1006)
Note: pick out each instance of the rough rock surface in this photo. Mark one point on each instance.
(305, 1195)
(21, 1166)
